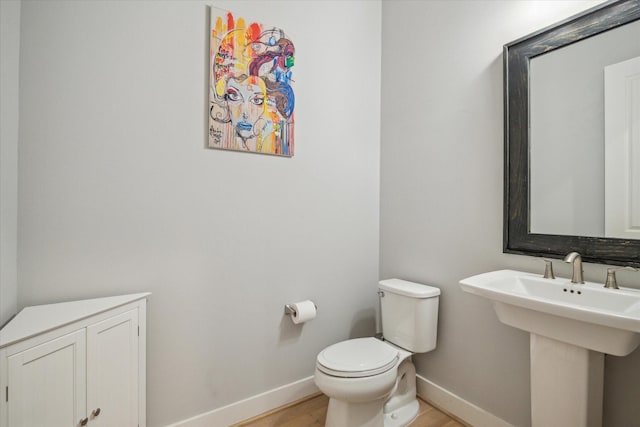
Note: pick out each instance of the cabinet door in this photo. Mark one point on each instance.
(112, 371)
(47, 383)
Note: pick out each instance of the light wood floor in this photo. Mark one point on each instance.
(311, 413)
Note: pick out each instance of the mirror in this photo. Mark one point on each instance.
(530, 72)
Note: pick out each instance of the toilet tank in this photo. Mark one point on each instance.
(409, 314)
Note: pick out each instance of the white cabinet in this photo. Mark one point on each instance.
(47, 382)
(74, 364)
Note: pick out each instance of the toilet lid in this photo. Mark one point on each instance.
(360, 357)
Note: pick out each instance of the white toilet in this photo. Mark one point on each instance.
(372, 382)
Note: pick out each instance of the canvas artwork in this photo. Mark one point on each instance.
(251, 97)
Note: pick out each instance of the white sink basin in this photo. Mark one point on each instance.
(586, 315)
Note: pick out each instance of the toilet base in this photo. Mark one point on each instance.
(369, 414)
(402, 406)
(348, 414)
(401, 417)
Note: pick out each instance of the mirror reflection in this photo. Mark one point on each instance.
(574, 188)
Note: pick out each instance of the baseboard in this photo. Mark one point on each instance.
(264, 402)
(457, 406)
(252, 406)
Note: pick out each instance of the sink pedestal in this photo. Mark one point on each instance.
(566, 384)
(571, 327)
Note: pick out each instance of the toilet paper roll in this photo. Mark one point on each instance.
(304, 311)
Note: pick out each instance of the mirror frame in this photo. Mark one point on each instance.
(516, 56)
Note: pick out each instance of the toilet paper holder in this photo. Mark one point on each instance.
(290, 309)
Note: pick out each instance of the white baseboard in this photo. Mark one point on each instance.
(264, 402)
(252, 406)
(457, 406)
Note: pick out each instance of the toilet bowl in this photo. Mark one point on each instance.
(368, 382)
(371, 382)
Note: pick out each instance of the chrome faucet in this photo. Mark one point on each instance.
(575, 259)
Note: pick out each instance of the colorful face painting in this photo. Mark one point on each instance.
(251, 100)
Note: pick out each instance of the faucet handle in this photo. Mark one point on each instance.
(548, 269)
(611, 282)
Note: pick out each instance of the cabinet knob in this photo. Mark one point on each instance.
(84, 421)
(95, 412)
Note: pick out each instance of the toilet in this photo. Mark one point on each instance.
(371, 382)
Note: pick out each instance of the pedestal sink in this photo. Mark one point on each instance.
(571, 326)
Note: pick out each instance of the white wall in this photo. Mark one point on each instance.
(9, 101)
(117, 193)
(441, 193)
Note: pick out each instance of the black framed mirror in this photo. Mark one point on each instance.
(518, 237)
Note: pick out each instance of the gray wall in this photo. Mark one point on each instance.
(441, 193)
(9, 101)
(117, 193)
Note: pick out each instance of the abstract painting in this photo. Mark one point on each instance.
(251, 97)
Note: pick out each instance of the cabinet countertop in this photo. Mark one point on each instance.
(34, 320)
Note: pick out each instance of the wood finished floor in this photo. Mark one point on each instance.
(312, 413)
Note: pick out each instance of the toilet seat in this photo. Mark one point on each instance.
(356, 358)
